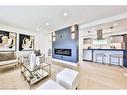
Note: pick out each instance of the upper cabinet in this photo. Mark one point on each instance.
(125, 38)
(87, 42)
(117, 42)
(117, 39)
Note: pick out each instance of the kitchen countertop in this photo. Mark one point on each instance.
(108, 49)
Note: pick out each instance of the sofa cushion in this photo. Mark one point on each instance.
(9, 62)
(5, 56)
(37, 52)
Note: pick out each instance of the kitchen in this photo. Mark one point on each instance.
(106, 43)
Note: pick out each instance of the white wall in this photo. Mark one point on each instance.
(41, 41)
(46, 43)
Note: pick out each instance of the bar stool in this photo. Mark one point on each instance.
(102, 55)
(118, 56)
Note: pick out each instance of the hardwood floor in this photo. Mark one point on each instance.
(99, 76)
(92, 76)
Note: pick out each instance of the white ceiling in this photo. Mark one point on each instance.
(119, 28)
(121, 25)
(33, 17)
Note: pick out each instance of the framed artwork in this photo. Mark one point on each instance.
(7, 41)
(26, 42)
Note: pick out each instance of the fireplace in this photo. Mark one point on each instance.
(65, 52)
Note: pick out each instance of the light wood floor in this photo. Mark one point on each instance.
(92, 76)
(99, 76)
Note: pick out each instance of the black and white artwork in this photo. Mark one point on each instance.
(7, 41)
(26, 42)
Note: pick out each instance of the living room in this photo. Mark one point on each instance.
(41, 50)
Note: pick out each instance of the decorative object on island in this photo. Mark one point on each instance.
(26, 42)
(7, 41)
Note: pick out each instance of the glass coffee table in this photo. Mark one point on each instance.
(34, 75)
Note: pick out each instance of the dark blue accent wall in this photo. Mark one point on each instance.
(125, 58)
(64, 41)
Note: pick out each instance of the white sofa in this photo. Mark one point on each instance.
(8, 58)
(9, 62)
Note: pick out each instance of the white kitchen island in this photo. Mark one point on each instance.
(90, 55)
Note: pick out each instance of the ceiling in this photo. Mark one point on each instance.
(107, 28)
(35, 18)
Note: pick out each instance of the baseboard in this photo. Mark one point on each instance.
(65, 62)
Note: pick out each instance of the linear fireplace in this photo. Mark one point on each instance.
(65, 52)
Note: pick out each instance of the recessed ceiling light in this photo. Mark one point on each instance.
(65, 14)
(115, 24)
(47, 23)
(37, 29)
(89, 31)
(111, 27)
(92, 28)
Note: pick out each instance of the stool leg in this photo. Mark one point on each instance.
(110, 60)
(103, 60)
(119, 62)
(96, 59)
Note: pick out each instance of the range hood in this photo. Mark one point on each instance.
(100, 40)
(99, 34)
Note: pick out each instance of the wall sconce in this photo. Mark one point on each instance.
(73, 35)
(54, 39)
(53, 36)
(73, 29)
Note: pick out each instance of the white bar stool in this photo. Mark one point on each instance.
(102, 55)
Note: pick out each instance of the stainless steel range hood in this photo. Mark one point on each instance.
(100, 40)
(99, 34)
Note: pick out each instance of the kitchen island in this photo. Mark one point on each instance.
(90, 55)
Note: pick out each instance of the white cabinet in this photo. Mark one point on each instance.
(87, 55)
